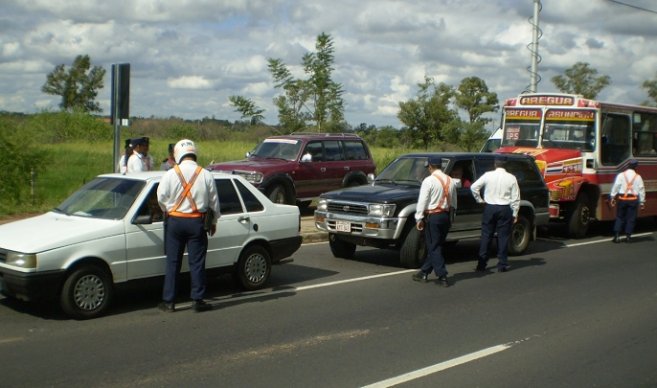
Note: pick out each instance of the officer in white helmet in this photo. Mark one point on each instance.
(188, 196)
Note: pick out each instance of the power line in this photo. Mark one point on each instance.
(633, 6)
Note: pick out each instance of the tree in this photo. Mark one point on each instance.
(651, 88)
(78, 86)
(247, 108)
(317, 98)
(429, 117)
(474, 97)
(581, 79)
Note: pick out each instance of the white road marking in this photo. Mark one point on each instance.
(602, 241)
(439, 367)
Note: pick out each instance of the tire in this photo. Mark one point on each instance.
(521, 235)
(278, 194)
(580, 218)
(253, 267)
(87, 292)
(413, 249)
(341, 249)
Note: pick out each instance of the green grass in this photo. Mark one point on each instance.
(72, 164)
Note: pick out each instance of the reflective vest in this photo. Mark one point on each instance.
(186, 194)
(444, 199)
(629, 194)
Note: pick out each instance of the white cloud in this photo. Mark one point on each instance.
(189, 82)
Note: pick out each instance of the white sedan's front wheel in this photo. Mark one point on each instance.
(87, 292)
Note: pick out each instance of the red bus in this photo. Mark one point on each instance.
(580, 145)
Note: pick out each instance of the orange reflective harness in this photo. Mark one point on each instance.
(444, 199)
(629, 189)
(186, 193)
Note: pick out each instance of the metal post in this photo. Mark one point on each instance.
(115, 118)
(534, 51)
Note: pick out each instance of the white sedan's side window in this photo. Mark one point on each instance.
(229, 201)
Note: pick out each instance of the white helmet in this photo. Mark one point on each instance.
(183, 148)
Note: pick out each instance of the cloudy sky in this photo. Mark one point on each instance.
(188, 56)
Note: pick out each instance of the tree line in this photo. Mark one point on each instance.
(438, 115)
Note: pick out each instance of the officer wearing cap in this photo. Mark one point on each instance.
(502, 198)
(630, 193)
(123, 162)
(140, 160)
(188, 195)
(435, 204)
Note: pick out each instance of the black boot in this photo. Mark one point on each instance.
(628, 238)
(616, 239)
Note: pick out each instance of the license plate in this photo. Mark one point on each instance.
(343, 226)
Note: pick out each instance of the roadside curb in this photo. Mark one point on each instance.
(314, 237)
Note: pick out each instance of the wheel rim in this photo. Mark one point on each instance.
(255, 268)
(89, 292)
(584, 215)
(518, 235)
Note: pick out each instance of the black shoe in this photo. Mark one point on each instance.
(616, 239)
(442, 280)
(421, 277)
(166, 307)
(480, 268)
(200, 305)
(628, 239)
(505, 268)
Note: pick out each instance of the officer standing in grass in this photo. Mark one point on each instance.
(188, 196)
(140, 160)
(630, 193)
(435, 204)
(502, 198)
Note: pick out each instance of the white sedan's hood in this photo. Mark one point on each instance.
(54, 230)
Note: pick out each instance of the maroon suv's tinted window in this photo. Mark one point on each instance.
(314, 148)
(355, 150)
(332, 151)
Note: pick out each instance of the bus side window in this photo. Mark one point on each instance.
(616, 138)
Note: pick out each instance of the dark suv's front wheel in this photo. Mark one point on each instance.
(341, 249)
(521, 234)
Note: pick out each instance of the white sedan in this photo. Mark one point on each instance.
(111, 231)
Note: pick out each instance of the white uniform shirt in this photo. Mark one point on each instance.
(204, 190)
(501, 189)
(138, 162)
(123, 165)
(620, 185)
(431, 193)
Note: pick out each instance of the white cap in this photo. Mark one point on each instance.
(183, 148)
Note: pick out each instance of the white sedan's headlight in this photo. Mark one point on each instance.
(382, 210)
(322, 204)
(23, 260)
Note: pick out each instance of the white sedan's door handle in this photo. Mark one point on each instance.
(243, 219)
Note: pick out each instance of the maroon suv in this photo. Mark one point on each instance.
(299, 167)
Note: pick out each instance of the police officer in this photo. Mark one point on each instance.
(188, 194)
(123, 162)
(628, 190)
(435, 204)
(502, 198)
(140, 160)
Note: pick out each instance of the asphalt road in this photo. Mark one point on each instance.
(570, 313)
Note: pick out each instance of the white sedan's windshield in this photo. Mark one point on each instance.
(107, 198)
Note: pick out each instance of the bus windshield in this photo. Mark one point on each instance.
(521, 127)
(570, 129)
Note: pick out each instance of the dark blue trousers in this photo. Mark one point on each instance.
(436, 227)
(626, 216)
(496, 218)
(181, 233)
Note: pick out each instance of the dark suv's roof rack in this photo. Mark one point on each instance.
(323, 134)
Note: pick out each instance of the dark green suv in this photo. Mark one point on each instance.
(382, 214)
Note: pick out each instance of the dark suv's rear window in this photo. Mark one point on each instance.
(524, 170)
